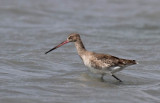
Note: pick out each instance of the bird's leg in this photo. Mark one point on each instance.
(116, 78)
(102, 77)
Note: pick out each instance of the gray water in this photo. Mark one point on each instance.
(125, 28)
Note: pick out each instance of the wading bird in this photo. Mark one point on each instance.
(97, 63)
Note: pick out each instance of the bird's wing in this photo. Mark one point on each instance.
(104, 60)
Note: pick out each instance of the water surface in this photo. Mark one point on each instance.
(128, 29)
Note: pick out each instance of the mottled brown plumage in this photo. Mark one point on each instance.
(96, 62)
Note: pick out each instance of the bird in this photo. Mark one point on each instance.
(97, 63)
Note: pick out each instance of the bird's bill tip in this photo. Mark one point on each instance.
(64, 42)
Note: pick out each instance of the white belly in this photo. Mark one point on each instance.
(116, 69)
(110, 70)
(104, 70)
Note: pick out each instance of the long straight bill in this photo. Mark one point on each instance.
(57, 46)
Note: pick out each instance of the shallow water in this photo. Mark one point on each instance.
(28, 28)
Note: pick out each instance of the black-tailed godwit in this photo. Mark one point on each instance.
(97, 63)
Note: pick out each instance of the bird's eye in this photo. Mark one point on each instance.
(70, 37)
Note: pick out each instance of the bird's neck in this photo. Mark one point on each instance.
(80, 47)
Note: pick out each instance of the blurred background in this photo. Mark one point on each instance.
(125, 28)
